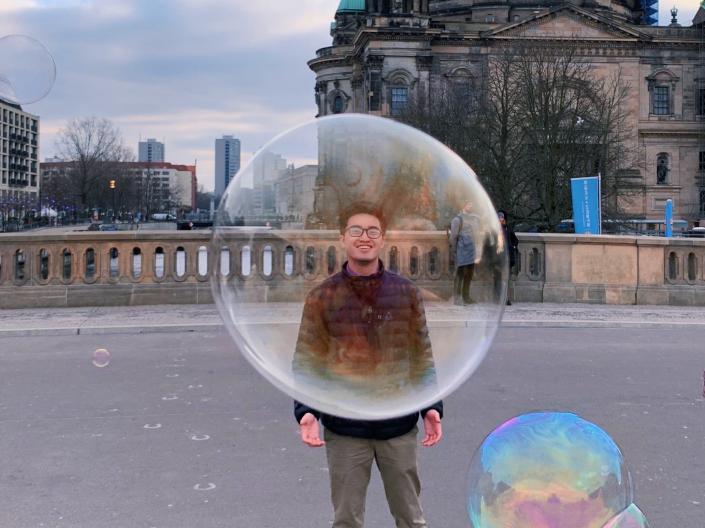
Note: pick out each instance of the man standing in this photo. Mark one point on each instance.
(360, 324)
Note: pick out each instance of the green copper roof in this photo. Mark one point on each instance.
(351, 5)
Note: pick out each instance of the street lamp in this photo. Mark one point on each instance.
(112, 184)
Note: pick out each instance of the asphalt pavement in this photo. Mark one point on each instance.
(175, 429)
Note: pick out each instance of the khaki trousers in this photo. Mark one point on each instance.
(350, 462)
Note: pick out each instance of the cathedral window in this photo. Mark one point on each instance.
(701, 101)
(338, 104)
(662, 88)
(701, 160)
(660, 101)
(400, 96)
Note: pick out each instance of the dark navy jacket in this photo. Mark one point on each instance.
(362, 327)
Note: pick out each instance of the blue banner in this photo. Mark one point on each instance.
(587, 205)
(669, 218)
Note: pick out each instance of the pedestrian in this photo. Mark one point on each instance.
(358, 327)
(511, 240)
(463, 230)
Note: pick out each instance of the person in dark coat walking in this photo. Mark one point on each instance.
(365, 324)
(511, 240)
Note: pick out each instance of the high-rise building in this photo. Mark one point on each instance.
(151, 151)
(227, 162)
(19, 155)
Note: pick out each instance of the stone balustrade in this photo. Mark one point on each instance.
(158, 267)
(610, 269)
(142, 267)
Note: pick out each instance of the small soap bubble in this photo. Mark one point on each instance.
(101, 358)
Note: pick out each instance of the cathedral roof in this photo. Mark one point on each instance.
(347, 6)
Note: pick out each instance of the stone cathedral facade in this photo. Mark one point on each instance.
(384, 52)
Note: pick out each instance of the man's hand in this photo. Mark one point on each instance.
(310, 432)
(432, 427)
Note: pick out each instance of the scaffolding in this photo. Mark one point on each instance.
(650, 10)
(699, 24)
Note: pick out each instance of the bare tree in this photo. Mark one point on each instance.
(538, 117)
(91, 145)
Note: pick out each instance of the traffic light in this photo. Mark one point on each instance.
(112, 184)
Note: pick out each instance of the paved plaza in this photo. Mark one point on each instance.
(179, 431)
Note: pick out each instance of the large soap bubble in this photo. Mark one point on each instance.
(27, 69)
(358, 340)
(542, 470)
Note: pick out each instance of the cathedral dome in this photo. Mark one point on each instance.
(350, 6)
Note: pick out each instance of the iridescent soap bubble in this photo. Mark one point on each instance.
(27, 69)
(632, 517)
(101, 358)
(365, 349)
(545, 470)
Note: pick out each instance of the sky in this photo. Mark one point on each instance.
(185, 71)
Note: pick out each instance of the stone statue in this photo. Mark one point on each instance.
(661, 171)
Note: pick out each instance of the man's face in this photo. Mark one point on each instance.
(363, 248)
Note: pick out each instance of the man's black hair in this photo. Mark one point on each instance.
(361, 208)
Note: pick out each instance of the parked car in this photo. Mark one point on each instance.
(696, 232)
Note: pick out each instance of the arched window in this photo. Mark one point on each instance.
(331, 258)
(43, 264)
(400, 82)
(136, 263)
(159, 263)
(203, 261)
(310, 260)
(414, 261)
(90, 264)
(267, 260)
(289, 261)
(672, 266)
(224, 262)
(180, 262)
(394, 259)
(338, 104)
(246, 261)
(662, 87)
(433, 261)
(692, 267)
(66, 264)
(114, 262)
(19, 265)
(662, 169)
(459, 87)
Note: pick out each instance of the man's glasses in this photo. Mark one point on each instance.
(356, 231)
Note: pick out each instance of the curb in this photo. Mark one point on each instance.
(189, 328)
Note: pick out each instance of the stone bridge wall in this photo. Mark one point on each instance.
(142, 267)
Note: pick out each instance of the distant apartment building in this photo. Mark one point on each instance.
(294, 193)
(151, 151)
(227, 162)
(19, 167)
(268, 168)
(155, 187)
